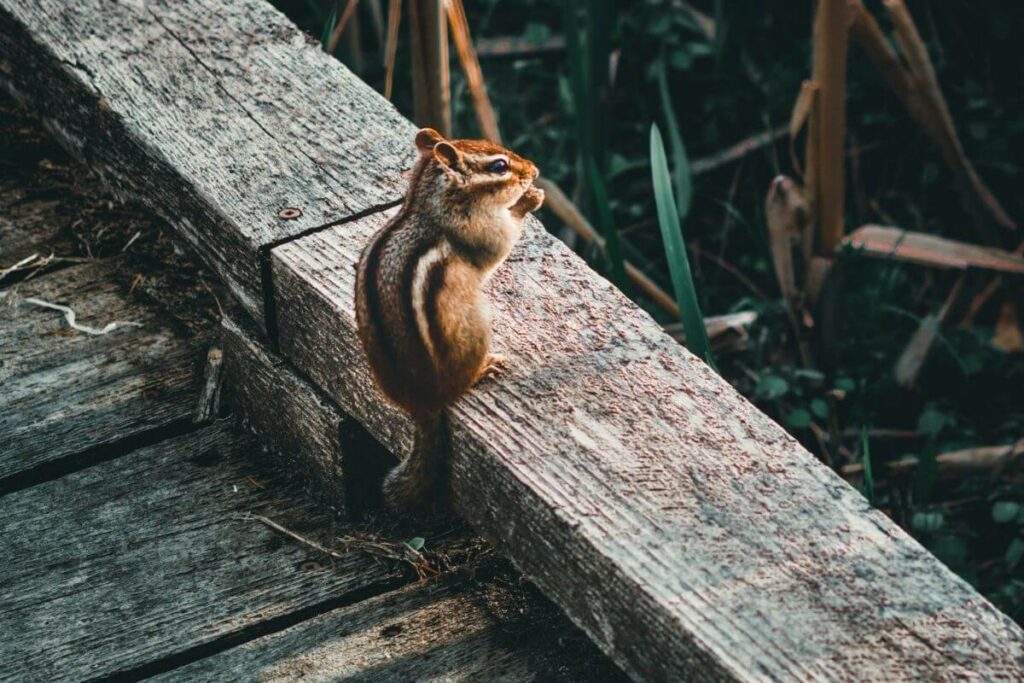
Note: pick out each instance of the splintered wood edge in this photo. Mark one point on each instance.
(689, 535)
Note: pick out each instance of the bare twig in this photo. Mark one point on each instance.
(825, 144)
(391, 49)
(71, 318)
(911, 360)
(955, 463)
(738, 151)
(428, 32)
(339, 28)
(401, 552)
(516, 46)
(471, 68)
(917, 87)
(559, 204)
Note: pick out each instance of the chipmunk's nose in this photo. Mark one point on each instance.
(534, 171)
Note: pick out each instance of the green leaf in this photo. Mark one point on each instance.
(682, 178)
(332, 19)
(927, 522)
(416, 543)
(771, 386)
(1005, 511)
(675, 251)
(869, 477)
(1013, 553)
(819, 408)
(931, 421)
(798, 418)
(536, 32)
(845, 384)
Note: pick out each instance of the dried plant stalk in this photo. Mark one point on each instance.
(828, 123)
(391, 49)
(339, 28)
(560, 205)
(471, 67)
(428, 32)
(917, 87)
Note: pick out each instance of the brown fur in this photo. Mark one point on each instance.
(474, 216)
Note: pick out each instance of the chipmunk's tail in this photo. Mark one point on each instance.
(420, 483)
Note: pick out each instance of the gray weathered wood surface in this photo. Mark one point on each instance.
(684, 531)
(215, 129)
(289, 415)
(133, 561)
(447, 630)
(65, 391)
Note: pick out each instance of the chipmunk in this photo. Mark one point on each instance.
(422, 316)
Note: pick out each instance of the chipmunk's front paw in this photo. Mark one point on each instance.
(529, 202)
(494, 366)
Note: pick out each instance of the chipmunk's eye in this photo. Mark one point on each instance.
(497, 166)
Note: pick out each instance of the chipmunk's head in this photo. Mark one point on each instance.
(475, 175)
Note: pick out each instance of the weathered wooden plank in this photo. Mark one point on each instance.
(124, 568)
(684, 531)
(64, 391)
(437, 631)
(215, 115)
(290, 416)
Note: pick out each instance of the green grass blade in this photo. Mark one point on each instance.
(682, 177)
(577, 76)
(598, 30)
(865, 455)
(675, 251)
(332, 19)
(613, 248)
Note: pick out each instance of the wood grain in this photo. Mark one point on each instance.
(216, 115)
(295, 420)
(150, 556)
(449, 630)
(690, 536)
(64, 391)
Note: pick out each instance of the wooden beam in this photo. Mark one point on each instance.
(300, 425)
(218, 130)
(690, 536)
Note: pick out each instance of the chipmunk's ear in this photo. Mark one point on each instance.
(446, 153)
(426, 138)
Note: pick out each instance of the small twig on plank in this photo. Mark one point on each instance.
(293, 535)
(36, 263)
(71, 318)
(401, 552)
(20, 265)
(208, 406)
(138, 233)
